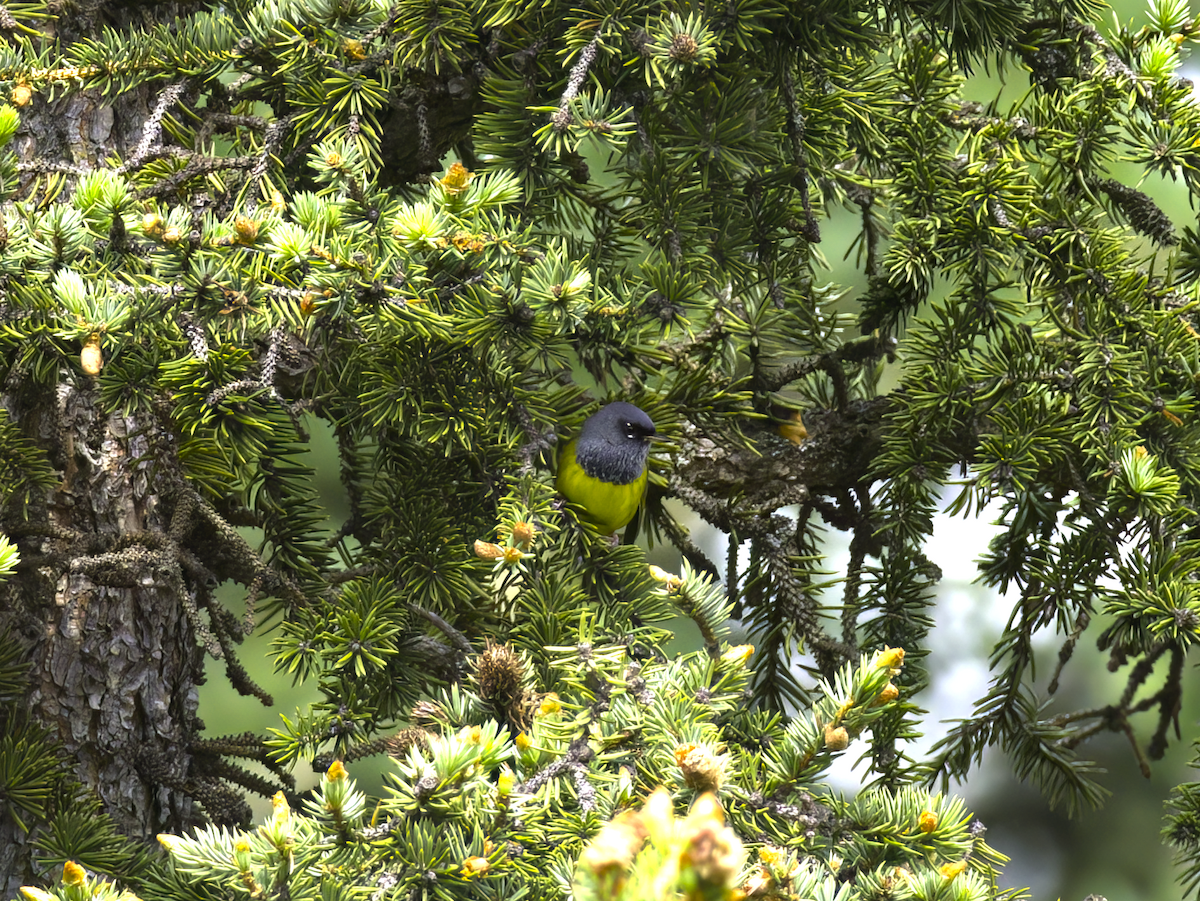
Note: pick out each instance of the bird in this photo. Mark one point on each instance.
(603, 471)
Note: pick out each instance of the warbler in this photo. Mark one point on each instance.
(603, 471)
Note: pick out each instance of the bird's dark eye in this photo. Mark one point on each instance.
(629, 430)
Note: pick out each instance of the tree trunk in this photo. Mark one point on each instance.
(114, 658)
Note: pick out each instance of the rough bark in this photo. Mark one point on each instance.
(115, 661)
(772, 472)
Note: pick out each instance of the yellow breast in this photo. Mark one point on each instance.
(608, 505)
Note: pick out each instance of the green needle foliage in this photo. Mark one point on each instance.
(472, 811)
(444, 232)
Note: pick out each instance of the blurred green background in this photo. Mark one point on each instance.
(1114, 852)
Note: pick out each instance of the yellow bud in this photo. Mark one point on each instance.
(711, 849)
(456, 179)
(22, 94)
(550, 704)
(513, 555)
(658, 815)
(33, 893)
(835, 862)
(506, 781)
(333, 159)
(91, 359)
(927, 821)
(168, 841)
(488, 551)
(246, 229)
(890, 693)
(472, 734)
(523, 533)
(658, 574)
(737, 656)
(888, 658)
(523, 742)
(797, 434)
(336, 771)
(73, 874)
(702, 769)
(836, 738)
(613, 849)
(152, 224)
(277, 203)
(354, 49)
(793, 429)
(241, 855)
(172, 235)
(280, 811)
(682, 751)
(707, 807)
(771, 856)
(950, 870)
(475, 866)
(467, 243)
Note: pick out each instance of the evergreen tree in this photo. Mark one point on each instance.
(445, 232)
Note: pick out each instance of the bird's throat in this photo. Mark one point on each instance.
(615, 465)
